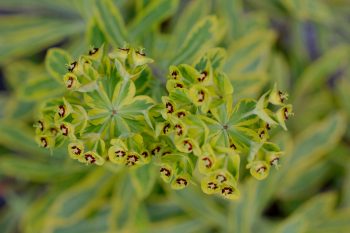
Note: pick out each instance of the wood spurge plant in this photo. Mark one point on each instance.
(196, 133)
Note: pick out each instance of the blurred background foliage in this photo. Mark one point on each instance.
(303, 45)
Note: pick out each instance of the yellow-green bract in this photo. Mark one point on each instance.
(197, 131)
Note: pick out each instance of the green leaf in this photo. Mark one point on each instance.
(179, 224)
(307, 181)
(18, 137)
(310, 146)
(96, 223)
(250, 53)
(232, 10)
(316, 74)
(316, 210)
(204, 34)
(308, 9)
(153, 14)
(343, 87)
(39, 88)
(111, 22)
(191, 14)
(95, 36)
(249, 85)
(199, 204)
(143, 179)
(338, 222)
(27, 35)
(77, 202)
(38, 171)
(56, 62)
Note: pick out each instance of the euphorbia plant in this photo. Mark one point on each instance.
(196, 132)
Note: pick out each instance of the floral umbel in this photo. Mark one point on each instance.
(196, 132)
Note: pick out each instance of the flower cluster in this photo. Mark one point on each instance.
(198, 130)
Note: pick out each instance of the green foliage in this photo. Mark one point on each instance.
(303, 46)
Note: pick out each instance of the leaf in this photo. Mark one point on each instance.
(199, 204)
(191, 14)
(343, 87)
(18, 137)
(56, 62)
(316, 210)
(203, 34)
(39, 88)
(316, 74)
(96, 223)
(37, 171)
(232, 10)
(19, 72)
(308, 181)
(153, 14)
(248, 85)
(77, 202)
(111, 22)
(95, 36)
(308, 9)
(250, 53)
(280, 72)
(316, 141)
(29, 34)
(339, 222)
(179, 224)
(143, 180)
(345, 201)
(125, 205)
(15, 109)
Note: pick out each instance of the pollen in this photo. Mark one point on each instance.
(131, 160)
(181, 181)
(165, 172)
(166, 128)
(262, 134)
(93, 51)
(61, 111)
(43, 142)
(70, 82)
(41, 125)
(181, 114)
(179, 85)
(227, 191)
(207, 162)
(76, 150)
(285, 113)
(89, 158)
(169, 107)
(221, 178)
(201, 95)
(188, 145)
(72, 66)
(141, 53)
(120, 153)
(202, 76)
(64, 130)
(212, 185)
(261, 169)
(178, 129)
(124, 49)
(274, 161)
(174, 74)
(145, 154)
(155, 150)
(233, 146)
